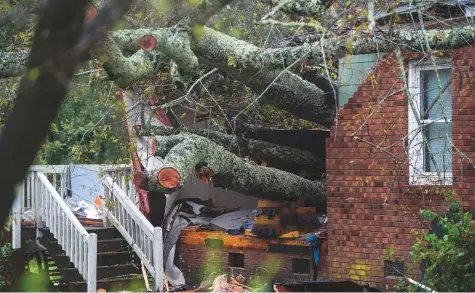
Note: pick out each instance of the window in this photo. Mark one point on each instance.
(430, 124)
(393, 268)
(236, 260)
(300, 266)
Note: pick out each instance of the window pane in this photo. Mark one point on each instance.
(439, 137)
(430, 90)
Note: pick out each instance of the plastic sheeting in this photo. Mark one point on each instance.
(84, 208)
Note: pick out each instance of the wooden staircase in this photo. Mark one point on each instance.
(91, 258)
(118, 267)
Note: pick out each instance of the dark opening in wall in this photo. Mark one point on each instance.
(393, 268)
(236, 260)
(300, 266)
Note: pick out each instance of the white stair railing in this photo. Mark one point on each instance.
(145, 239)
(56, 174)
(121, 175)
(52, 212)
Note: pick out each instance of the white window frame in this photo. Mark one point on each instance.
(417, 175)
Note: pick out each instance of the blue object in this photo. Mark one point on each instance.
(242, 229)
(315, 246)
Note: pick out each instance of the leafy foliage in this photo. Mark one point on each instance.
(449, 260)
(5, 255)
(89, 128)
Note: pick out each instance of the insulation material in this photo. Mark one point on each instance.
(233, 220)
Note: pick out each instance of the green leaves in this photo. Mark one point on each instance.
(5, 255)
(449, 259)
(88, 129)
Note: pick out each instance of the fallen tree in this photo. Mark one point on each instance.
(275, 75)
(167, 136)
(192, 153)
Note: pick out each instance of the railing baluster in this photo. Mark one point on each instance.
(17, 212)
(62, 182)
(158, 258)
(122, 182)
(92, 263)
(70, 240)
(75, 253)
(54, 181)
(28, 191)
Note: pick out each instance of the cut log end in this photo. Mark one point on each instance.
(169, 178)
(148, 43)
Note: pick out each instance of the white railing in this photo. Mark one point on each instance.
(52, 212)
(25, 201)
(145, 239)
(121, 175)
(56, 174)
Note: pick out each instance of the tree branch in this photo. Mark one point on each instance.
(310, 8)
(205, 10)
(265, 150)
(126, 71)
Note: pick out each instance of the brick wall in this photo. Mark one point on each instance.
(371, 208)
(197, 260)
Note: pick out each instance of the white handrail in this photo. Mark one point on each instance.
(122, 176)
(78, 244)
(145, 239)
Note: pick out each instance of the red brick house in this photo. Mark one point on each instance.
(389, 150)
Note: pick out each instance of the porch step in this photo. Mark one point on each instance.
(114, 258)
(129, 283)
(118, 267)
(106, 245)
(104, 233)
(104, 272)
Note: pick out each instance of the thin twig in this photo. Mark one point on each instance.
(180, 100)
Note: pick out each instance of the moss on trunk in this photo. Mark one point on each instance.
(13, 63)
(258, 148)
(231, 171)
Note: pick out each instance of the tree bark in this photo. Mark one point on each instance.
(310, 8)
(198, 153)
(13, 63)
(265, 150)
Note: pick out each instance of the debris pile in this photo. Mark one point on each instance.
(221, 283)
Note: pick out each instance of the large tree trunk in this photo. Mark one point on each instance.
(266, 151)
(211, 161)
